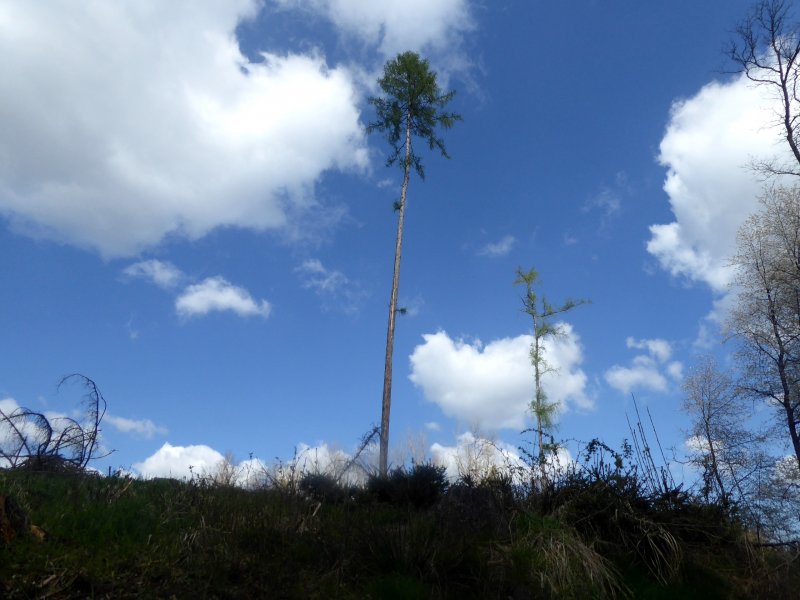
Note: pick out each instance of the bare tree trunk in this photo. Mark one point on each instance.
(386, 406)
(781, 363)
(715, 468)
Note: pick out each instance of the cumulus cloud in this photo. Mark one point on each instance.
(144, 428)
(151, 122)
(492, 386)
(711, 140)
(334, 287)
(9, 440)
(180, 462)
(163, 274)
(217, 294)
(643, 373)
(501, 248)
(651, 371)
(699, 445)
(396, 25)
(211, 294)
(658, 348)
(252, 473)
(8, 405)
(477, 457)
(320, 459)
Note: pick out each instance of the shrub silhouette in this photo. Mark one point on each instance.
(31, 440)
(420, 487)
(323, 487)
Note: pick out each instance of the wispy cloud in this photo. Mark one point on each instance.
(660, 349)
(397, 25)
(335, 289)
(133, 333)
(164, 274)
(144, 428)
(608, 201)
(497, 249)
(411, 306)
(315, 276)
(217, 294)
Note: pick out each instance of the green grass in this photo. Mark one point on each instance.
(115, 537)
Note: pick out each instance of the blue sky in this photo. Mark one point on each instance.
(192, 215)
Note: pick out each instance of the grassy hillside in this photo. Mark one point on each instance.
(592, 533)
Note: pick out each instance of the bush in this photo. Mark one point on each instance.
(421, 487)
(323, 487)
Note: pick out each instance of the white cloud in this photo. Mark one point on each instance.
(151, 122)
(643, 374)
(699, 445)
(252, 473)
(711, 140)
(217, 294)
(607, 201)
(9, 440)
(144, 428)
(492, 386)
(786, 469)
(163, 274)
(8, 405)
(320, 459)
(646, 371)
(477, 457)
(658, 348)
(396, 25)
(324, 459)
(433, 426)
(501, 248)
(412, 306)
(180, 462)
(334, 287)
(315, 276)
(18, 428)
(569, 239)
(675, 370)
(213, 293)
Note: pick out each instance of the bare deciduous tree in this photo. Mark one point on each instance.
(721, 444)
(766, 318)
(29, 438)
(767, 51)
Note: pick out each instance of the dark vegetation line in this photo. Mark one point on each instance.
(608, 525)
